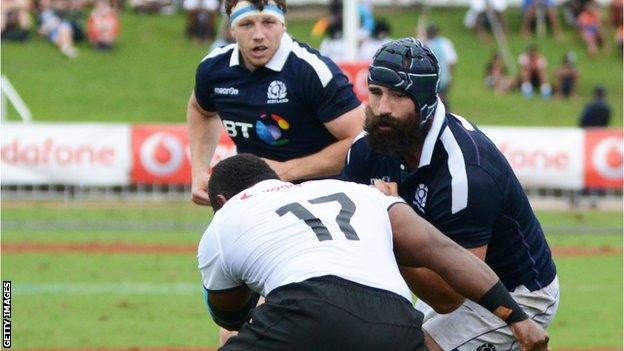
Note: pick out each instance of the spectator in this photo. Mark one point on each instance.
(444, 50)
(367, 19)
(381, 35)
(616, 21)
(333, 45)
(617, 6)
(365, 14)
(477, 19)
(533, 73)
(150, 6)
(200, 19)
(73, 12)
(596, 113)
(224, 34)
(567, 77)
(589, 27)
(572, 9)
(56, 29)
(15, 20)
(103, 26)
(528, 18)
(496, 75)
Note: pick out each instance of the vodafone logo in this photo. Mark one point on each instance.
(162, 154)
(535, 158)
(607, 158)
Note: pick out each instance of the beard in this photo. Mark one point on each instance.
(393, 136)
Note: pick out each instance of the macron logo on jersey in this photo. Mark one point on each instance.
(226, 91)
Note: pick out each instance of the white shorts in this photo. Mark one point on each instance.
(210, 5)
(472, 327)
(496, 5)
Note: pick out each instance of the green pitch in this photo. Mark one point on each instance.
(121, 300)
(150, 75)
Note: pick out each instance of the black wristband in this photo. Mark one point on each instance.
(498, 301)
(233, 320)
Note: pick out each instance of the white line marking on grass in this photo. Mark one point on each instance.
(106, 288)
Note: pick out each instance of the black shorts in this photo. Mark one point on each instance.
(329, 313)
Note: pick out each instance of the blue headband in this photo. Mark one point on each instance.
(245, 8)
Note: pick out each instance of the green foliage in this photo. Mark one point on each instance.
(149, 76)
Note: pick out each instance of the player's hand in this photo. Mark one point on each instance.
(199, 189)
(388, 188)
(530, 335)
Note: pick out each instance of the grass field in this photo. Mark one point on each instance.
(114, 298)
(149, 77)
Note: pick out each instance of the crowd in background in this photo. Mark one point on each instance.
(62, 22)
(66, 22)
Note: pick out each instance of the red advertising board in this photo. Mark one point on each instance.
(604, 166)
(161, 154)
(357, 72)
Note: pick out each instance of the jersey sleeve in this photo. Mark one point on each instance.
(471, 226)
(333, 99)
(203, 88)
(211, 263)
(387, 201)
(355, 169)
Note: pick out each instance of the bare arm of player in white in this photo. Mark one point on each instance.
(330, 160)
(424, 283)
(204, 129)
(464, 272)
(432, 289)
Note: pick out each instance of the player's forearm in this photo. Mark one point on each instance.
(203, 133)
(417, 243)
(432, 289)
(327, 162)
(464, 272)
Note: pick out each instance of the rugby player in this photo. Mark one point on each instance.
(324, 254)
(453, 176)
(276, 97)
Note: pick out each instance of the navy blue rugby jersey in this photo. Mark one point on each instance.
(465, 188)
(276, 111)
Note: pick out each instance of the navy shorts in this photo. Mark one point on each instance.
(329, 313)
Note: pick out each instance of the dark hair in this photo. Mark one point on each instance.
(432, 29)
(237, 173)
(381, 28)
(259, 4)
(600, 91)
(334, 30)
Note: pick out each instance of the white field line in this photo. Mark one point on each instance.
(106, 288)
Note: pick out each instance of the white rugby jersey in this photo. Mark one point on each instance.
(276, 233)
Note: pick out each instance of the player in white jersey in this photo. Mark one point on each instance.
(324, 254)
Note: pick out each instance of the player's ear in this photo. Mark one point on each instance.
(221, 200)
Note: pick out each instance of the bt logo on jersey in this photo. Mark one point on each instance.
(234, 128)
(270, 129)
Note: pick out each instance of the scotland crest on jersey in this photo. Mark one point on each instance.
(276, 94)
(420, 197)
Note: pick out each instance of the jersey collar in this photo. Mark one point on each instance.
(278, 60)
(432, 135)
